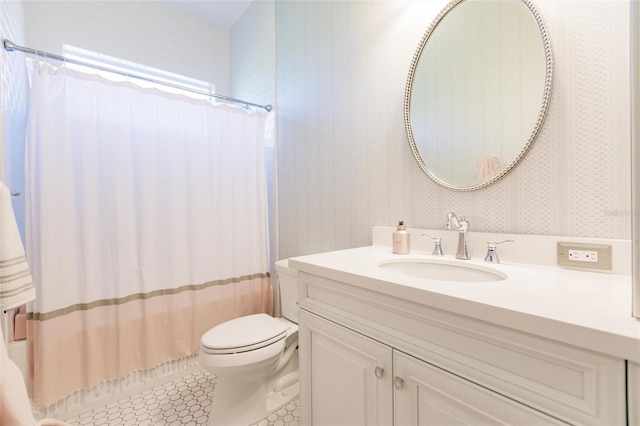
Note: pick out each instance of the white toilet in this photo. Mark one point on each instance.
(255, 359)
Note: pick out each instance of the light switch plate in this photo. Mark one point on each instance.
(585, 256)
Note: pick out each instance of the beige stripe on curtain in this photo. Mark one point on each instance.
(109, 341)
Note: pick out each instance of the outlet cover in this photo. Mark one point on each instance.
(585, 256)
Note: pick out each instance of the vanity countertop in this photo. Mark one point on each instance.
(590, 310)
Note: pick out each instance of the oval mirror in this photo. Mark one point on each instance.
(478, 91)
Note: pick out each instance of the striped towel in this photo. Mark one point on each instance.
(16, 283)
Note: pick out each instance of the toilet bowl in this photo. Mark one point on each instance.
(255, 359)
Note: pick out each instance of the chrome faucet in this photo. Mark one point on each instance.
(492, 254)
(462, 226)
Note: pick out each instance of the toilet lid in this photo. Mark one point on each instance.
(244, 333)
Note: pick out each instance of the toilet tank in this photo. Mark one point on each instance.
(288, 282)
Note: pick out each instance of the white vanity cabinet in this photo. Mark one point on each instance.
(355, 380)
(368, 358)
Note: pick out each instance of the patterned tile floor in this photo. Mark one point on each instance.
(184, 401)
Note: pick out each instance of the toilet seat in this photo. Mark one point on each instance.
(243, 334)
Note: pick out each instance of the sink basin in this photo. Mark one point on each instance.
(442, 270)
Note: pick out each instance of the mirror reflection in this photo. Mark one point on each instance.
(478, 91)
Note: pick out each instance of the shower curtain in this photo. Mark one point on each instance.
(146, 225)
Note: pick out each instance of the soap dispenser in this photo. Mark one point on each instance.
(401, 242)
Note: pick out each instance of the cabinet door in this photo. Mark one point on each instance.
(345, 377)
(427, 395)
(633, 394)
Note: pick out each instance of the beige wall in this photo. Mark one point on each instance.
(344, 163)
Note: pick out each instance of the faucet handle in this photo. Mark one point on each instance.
(492, 254)
(437, 245)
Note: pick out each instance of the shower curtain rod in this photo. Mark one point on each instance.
(10, 46)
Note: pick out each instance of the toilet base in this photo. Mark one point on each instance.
(238, 403)
(281, 397)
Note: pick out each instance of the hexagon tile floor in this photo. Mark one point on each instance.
(182, 402)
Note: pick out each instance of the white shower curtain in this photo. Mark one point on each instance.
(146, 225)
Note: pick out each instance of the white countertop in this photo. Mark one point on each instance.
(590, 310)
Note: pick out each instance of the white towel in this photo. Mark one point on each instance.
(16, 283)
